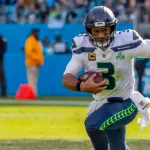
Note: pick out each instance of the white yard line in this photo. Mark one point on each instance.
(30, 115)
(44, 102)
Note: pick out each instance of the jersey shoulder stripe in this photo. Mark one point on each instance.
(127, 46)
(84, 49)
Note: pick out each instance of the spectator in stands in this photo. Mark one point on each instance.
(56, 18)
(120, 10)
(56, 12)
(130, 11)
(34, 58)
(32, 14)
(81, 11)
(140, 65)
(59, 46)
(71, 16)
(47, 47)
(144, 13)
(4, 16)
(19, 12)
(109, 4)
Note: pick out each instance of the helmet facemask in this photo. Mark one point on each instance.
(105, 41)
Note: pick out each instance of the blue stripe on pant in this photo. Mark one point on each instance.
(112, 118)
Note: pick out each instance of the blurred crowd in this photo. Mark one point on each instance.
(57, 12)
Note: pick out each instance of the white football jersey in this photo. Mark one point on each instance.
(115, 63)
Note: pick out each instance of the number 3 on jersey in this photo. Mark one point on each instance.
(108, 72)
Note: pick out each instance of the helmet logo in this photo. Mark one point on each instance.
(99, 24)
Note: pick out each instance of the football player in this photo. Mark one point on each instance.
(110, 52)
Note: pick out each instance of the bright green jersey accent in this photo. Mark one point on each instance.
(120, 115)
(120, 56)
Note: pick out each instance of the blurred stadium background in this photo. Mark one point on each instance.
(56, 119)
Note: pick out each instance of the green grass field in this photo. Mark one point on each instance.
(54, 128)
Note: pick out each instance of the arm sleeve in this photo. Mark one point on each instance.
(76, 63)
(143, 50)
(140, 47)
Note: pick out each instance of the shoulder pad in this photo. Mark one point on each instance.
(131, 34)
(81, 44)
(78, 40)
(125, 40)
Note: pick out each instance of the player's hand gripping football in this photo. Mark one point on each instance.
(90, 86)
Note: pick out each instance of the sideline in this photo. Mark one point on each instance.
(44, 102)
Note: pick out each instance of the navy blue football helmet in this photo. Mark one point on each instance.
(101, 17)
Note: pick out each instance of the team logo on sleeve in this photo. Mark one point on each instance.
(91, 56)
(120, 56)
(73, 45)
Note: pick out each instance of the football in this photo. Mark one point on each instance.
(86, 75)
